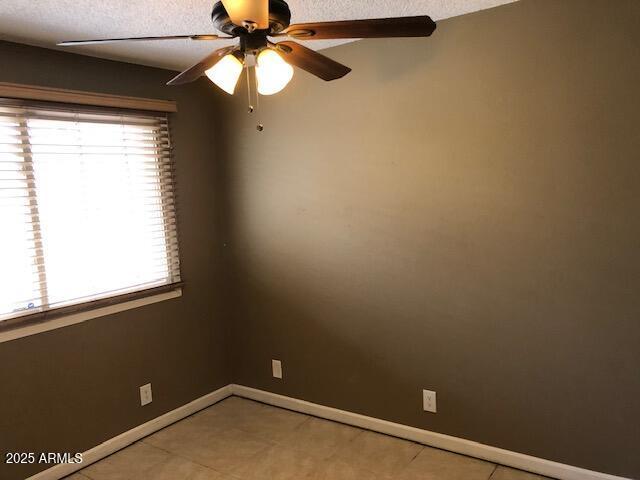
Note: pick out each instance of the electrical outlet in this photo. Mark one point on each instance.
(276, 367)
(146, 397)
(429, 401)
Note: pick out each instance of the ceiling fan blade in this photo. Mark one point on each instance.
(311, 61)
(241, 11)
(140, 39)
(199, 68)
(421, 26)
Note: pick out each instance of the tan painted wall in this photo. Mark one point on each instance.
(461, 214)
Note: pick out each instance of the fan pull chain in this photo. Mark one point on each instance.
(251, 108)
(259, 126)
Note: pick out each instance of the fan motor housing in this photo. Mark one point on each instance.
(279, 18)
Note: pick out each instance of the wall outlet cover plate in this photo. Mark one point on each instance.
(429, 401)
(276, 367)
(146, 396)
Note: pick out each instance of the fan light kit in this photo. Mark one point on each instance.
(226, 73)
(255, 23)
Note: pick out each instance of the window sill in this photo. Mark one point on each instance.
(74, 318)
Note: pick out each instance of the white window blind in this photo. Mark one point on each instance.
(86, 207)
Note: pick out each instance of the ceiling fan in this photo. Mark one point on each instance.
(254, 22)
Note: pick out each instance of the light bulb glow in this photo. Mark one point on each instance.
(272, 72)
(226, 73)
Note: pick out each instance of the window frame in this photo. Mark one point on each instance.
(51, 318)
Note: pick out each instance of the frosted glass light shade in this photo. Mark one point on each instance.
(226, 73)
(272, 72)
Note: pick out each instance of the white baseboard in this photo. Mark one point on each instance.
(127, 438)
(433, 439)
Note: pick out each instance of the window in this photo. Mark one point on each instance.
(86, 207)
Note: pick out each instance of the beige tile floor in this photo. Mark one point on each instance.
(238, 439)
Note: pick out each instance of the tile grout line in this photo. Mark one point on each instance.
(422, 447)
(178, 455)
(495, 467)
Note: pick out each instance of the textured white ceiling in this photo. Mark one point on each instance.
(45, 22)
